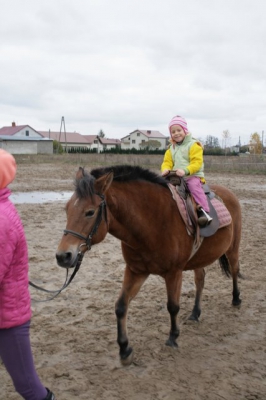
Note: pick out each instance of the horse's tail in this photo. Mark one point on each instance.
(224, 264)
(225, 267)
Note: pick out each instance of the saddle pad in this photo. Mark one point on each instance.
(180, 204)
(223, 214)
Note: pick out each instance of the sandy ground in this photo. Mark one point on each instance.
(74, 336)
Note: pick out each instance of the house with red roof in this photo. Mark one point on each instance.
(139, 138)
(19, 130)
(68, 140)
(23, 139)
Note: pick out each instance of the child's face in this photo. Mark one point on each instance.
(178, 134)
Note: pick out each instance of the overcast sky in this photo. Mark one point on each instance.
(119, 65)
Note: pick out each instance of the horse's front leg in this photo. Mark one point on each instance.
(131, 286)
(199, 278)
(173, 282)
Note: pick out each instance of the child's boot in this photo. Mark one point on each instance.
(50, 395)
(203, 217)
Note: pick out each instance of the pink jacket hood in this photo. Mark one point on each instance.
(14, 290)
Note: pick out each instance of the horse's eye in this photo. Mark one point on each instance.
(89, 213)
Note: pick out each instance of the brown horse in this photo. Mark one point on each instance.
(136, 206)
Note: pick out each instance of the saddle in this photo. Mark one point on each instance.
(191, 221)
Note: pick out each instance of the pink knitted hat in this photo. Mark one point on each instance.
(177, 120)
(8, 168)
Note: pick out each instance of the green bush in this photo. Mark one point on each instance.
(57, 147)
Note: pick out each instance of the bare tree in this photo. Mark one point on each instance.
(226, 137)
(212, 142)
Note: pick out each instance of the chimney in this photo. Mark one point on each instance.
(13, 123)
(149, 132)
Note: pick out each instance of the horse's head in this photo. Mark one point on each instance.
(87, 219)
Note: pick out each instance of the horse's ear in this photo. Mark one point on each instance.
(80, 173)
(103, 183)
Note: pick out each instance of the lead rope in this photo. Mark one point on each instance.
(65, 285)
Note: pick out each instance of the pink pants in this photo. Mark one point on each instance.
(195, 187)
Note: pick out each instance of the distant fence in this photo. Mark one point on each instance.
(239, 164)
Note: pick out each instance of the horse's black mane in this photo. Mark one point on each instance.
(126, 173)
(122, 173)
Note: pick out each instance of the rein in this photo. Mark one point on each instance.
(57, 292)
(88, 239)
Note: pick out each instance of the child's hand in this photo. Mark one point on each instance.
(180, 172)
(165, 172)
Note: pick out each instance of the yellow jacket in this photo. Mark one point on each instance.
(187, 156)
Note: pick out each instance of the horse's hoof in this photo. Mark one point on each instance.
(193, 318)
(125, 361)
(171, 343)
(236, 303)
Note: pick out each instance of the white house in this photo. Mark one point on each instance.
(137, 139)
(110, 143)
(101, 143)
(93, 142)
(235, 149)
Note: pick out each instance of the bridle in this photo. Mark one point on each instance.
(102, 210)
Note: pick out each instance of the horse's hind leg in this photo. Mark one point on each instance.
(232, 255)
(236, 292)
(173, 285)
(236, 301)
(230, 263)
(199, 278)
(131, 286)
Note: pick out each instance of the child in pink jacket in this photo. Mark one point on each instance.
(15, 305)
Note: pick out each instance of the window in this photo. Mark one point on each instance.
(138, 134)
(27, 133)
(95, 141)
(133, 141)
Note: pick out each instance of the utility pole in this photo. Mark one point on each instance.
(62, 124)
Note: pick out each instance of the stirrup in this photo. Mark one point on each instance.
(203, 218)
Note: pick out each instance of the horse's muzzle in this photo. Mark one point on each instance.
(66, 259)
